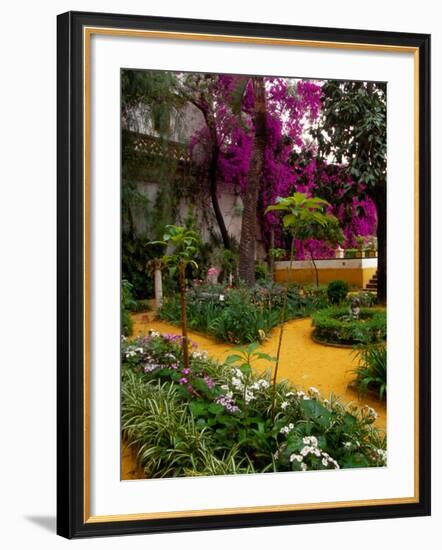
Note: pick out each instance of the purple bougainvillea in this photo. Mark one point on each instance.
(290, 162)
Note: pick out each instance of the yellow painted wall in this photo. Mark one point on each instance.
(358, 277)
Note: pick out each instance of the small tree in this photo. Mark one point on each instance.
(183, 248)
(305, 218)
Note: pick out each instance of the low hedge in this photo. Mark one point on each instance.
(335, 326)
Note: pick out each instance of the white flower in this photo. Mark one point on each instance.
(289, 394)
(237, 383)
(382, 454)
(286, 429)
(284, 405)
(310, 440)
(295, 457)
(313, 390)
(306, 450)
(200, 354)
(324, 462)
(249, 396)
(153, 333)
(348, 444)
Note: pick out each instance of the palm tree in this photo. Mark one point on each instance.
(247, 245)
(183, 243)
(305, 218)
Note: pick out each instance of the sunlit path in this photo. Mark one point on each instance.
(304, 362)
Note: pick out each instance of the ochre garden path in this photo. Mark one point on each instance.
(304, 362)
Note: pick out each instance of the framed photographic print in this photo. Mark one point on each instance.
(239, 206)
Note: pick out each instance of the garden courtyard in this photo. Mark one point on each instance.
(254, 281)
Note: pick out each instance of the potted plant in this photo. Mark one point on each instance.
(360, 241)
(371, 247)
(350, 253)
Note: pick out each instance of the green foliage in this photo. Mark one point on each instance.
(184, 245)
(337, 291)
(242, 315)
(215, 418)
(335, 325)
(261, 272)
(306, 218)
(277, 253)
(371, 373)
(353, 128)
(127, 305)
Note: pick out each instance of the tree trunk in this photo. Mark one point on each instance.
(380, 200)
(213, 186)
(316, 269)
(185, 345)
(247, 245)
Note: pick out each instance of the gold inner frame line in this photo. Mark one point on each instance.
(87, 33)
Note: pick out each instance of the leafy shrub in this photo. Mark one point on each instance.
(337, 291)
(371, 373)
(215, 418)
(335, 325)
(127, 304)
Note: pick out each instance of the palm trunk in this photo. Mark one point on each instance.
(247, 245)
(281, 330)
(185, 344)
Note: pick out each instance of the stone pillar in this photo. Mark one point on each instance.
(158, 284)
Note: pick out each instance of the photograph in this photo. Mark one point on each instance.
(253, 274)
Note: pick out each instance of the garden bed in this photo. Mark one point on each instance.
(216, 418)
(242, 315)
(336, 326)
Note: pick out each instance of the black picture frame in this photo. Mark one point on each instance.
(71, 519)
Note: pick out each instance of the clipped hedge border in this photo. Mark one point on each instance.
(333, 326)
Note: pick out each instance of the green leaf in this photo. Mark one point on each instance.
(313, 410)
(215, 408)
(233, 359)
(198, 408)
